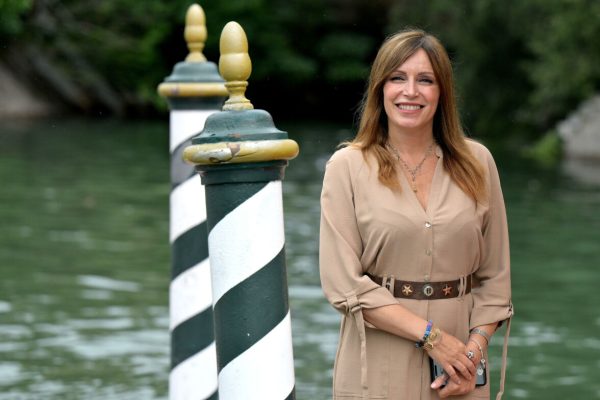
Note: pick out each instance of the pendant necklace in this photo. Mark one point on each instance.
(412, 171)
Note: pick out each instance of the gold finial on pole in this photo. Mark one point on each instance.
(195, 33)
(235, 66)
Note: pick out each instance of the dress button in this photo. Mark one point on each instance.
(427, 277)
(427, 224)
(428, 252)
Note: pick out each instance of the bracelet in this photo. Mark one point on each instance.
(425, 335)
(434, 338)
(479, 346)
(481, 368)
(483, 333)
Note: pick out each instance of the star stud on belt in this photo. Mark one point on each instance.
(447, 290)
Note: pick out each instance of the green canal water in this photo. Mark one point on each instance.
(84, 266)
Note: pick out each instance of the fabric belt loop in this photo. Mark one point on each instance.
(392, 284)
(504, 357)
(356, 310)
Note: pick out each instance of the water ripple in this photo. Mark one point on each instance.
(5, 306)
(10, 373)
(101, 282)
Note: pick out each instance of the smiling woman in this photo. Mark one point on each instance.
(421, 274)
(411, 94)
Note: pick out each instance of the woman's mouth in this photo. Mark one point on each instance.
(409, 107)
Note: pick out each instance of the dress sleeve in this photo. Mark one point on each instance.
(342, 277)
(492, 299)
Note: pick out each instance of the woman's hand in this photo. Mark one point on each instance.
(466, 385)
(452, 388)
(451, 354)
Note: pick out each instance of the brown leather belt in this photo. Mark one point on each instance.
(425, 290)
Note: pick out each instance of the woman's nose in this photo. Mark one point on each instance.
(411, 89)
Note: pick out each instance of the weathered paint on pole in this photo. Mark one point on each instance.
(194, 91)
(241, 157)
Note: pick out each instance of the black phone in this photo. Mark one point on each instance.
(437, 370)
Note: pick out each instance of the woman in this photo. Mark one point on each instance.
(414, 243)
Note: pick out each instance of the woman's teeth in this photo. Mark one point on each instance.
(409, 107)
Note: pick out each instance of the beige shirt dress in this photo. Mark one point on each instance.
(368, 228)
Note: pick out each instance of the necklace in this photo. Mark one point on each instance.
(412, 171)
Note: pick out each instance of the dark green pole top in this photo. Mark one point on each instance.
(238, 134)
(195, 79)
(237, 126)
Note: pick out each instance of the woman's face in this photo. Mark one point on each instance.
(410, 95)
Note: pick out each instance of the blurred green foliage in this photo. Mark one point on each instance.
(546, 151)
(566, 55)
(11, 16)
(520, 65)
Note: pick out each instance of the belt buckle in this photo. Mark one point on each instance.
(428, 290)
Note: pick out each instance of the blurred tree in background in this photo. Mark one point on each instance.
(12, 12)
(564, 68)
(487, 46)
(520, 65)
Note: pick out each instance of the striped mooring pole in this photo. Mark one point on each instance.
(241, 156)
(194, 91)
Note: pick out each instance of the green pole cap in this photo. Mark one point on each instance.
(238, 135)
(239, 120)
(195, 77)
(237, 126)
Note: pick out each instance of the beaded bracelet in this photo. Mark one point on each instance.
(425, 335)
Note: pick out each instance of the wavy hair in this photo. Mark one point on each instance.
(372, 134)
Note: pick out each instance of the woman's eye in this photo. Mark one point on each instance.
(397, 78)
(428, 81)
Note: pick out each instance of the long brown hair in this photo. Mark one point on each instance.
(372, 134)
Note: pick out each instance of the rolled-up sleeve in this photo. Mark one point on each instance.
(342, 275)
(492, 299)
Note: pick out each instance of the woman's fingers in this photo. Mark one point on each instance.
(463, 370)
(459, 367)
(465, 367)
(453, 376)
(450, 389)
(471, 367)
(453, 389)
(439, 381)
(462, 366)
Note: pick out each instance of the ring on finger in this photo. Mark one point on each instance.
(470, 355)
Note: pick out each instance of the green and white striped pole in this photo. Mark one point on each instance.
(241, 157)
(194, 91)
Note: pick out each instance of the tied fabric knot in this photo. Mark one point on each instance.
(355, 309)
(504, 356)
